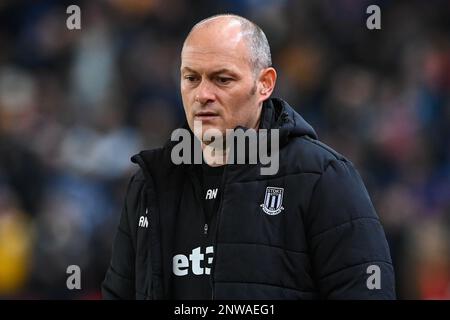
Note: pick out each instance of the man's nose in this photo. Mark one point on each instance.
(205, 93)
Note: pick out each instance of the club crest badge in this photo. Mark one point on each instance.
(273, 201)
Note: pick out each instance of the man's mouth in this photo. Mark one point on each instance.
(206, 115)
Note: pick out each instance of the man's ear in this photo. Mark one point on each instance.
(267, 80)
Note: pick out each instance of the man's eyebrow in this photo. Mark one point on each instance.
(187, 69)
(214, 73)
(224, 70)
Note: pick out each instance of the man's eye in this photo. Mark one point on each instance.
(190, 78)
(224, 80)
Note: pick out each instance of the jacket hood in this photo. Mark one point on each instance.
(278, 114)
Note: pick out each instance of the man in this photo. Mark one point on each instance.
(222, 230)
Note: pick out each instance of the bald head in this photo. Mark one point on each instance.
(233, 31)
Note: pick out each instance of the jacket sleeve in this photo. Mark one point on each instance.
(119, 282)
(350, 254)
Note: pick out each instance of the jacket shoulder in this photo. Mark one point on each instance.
(311, 155)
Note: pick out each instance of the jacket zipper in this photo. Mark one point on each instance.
(222, 188)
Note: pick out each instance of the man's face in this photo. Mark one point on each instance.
(218, 85)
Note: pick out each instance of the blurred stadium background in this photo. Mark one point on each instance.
(75, 105)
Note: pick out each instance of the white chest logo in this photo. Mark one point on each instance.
(211, 194)
(273, 201)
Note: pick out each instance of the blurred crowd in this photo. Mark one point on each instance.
(75, 105)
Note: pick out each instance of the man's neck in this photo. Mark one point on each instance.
(214, 157)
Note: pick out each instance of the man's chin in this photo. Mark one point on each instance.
(209, 131)
(207, 128)
(212, 131)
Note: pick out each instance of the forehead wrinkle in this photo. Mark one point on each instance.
(211, 58)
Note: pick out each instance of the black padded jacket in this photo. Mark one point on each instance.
(326, 242)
